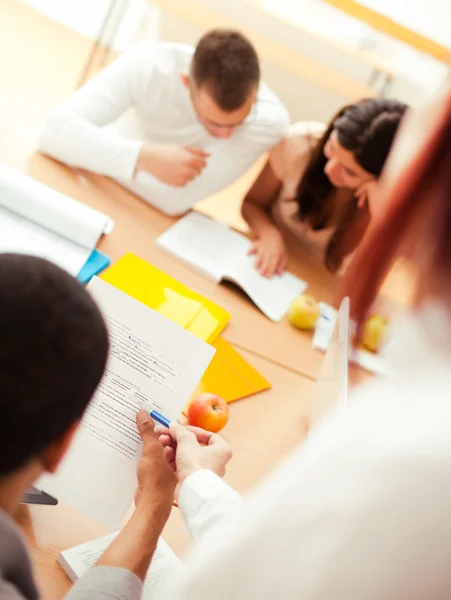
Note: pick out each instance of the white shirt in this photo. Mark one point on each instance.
(141, 98)
(361, 512)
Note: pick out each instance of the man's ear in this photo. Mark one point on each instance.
(54, 453)
(184, 78)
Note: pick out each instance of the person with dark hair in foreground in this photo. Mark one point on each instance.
(53, 351)
(316, 187)
(170, 122)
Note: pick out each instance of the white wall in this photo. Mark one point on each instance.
(304, 99)
(86, 17)
(429, 17)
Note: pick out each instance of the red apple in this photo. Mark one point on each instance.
(209, 412)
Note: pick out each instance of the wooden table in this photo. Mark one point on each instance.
(258, 442)
(137, 227)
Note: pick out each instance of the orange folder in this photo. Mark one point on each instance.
(230, 376)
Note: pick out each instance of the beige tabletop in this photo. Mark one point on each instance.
(137, 227)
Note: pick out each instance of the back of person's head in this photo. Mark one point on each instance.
(367, 130)
(416, 213)
(53, 350)
(226, 64)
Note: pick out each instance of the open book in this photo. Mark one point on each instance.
(220, 253)
(34, 219)
(165, 564)
(153, 364)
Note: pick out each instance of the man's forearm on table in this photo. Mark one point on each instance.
(134, 546)
(122, 568)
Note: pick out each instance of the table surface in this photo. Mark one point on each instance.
(137, 227)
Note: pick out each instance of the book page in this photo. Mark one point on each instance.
(218, 252)
(22, 236)
(47, 208)
(163, 568)
(199, 242)
(272, 296)
(153, 364)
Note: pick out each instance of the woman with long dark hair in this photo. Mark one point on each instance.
(317, 185)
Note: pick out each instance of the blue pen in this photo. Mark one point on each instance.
(159, 418)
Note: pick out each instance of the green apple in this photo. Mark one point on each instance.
(304, 312)
(374, 331)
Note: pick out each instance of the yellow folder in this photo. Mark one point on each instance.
(163, 293)
(229, 375)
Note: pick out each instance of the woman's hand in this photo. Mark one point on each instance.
(190, 449)
(270, 252)
(365, 193)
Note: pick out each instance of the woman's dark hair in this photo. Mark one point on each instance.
(366, 129)
(418, 211)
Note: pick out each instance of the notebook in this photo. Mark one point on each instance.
(153, 364)
(34, 219)
(159, 291)
(96, 263)
(221, 254)
(164, 566)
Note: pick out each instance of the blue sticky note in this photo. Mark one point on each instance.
(96, 263)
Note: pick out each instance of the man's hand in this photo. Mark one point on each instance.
(174, 165)
(134, 546)
(189, 449)
(156, 481)
(270, 253)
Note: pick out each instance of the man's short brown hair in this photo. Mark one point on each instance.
(227, 64)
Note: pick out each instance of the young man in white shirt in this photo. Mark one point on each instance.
(171, 123)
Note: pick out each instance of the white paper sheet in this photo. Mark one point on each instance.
(199, 242)
(272, 296)
(18, 234)
(163, 568)
(220, 253)
(34, 219)
(153, 364)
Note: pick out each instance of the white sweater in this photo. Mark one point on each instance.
(141, 98)
(361, 512)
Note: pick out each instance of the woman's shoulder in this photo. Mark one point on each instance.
(295, 148)
(313, 130)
